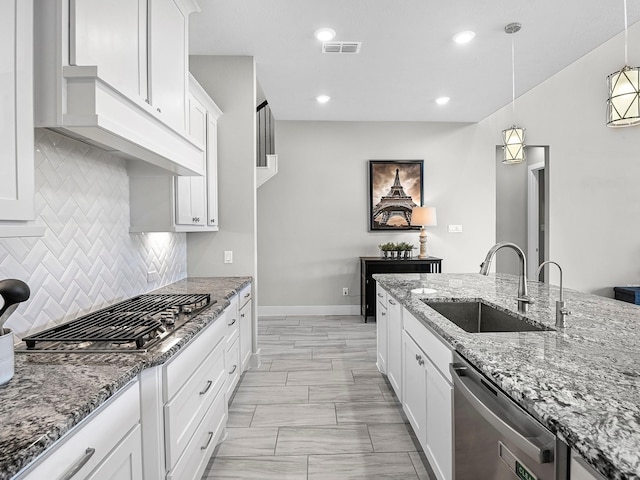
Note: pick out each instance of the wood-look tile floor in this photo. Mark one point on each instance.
(317, 409)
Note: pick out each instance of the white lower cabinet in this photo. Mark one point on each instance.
(193, 390)
(414, 383)
(427, 393)
(381, 329)
(246, 334)
(394, 345)
(580, 470)
(106, 445)
(439, 450)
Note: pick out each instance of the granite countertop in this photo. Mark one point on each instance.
(582, 381)
(51, 393)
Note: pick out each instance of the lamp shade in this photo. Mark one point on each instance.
(424, 217)
(513, 145)
(623, 105)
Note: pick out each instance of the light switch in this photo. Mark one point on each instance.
(455, 228)
(228, 256)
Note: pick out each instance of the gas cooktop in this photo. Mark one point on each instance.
(134, 325)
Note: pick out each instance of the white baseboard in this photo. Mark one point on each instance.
(276, 311)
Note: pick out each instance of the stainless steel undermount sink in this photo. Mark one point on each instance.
(478, 317)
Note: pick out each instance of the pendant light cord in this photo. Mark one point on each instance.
(626, 34)
(513, 80)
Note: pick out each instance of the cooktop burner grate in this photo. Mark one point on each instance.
(138, 321)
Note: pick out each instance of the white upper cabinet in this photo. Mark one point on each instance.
(111, 35)
(16, 119)
(168, 61)
(114, 74)
(161, 203)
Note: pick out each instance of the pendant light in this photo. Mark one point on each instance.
(513, 137)
(623, 104)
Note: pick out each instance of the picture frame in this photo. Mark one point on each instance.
(395, 188)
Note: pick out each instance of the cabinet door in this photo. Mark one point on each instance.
(16, 124)
(124, 462)
(414, 384)
(113, 36)
(439, 423)
(212, 171)
(245, 335)
(168, 62)
(190, 201)
(394, 345)
(381, 330)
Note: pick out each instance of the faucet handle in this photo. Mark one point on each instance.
(526, 299)
(561, 314)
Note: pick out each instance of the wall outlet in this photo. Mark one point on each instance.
(153, 276)
(228, 256)
(455, 228)
(345, 291)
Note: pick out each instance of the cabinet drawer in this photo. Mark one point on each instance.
(381, 296)
(102, 431)
(232, 364)
(202, 444)
(183, 414)
(439, 353)
(233, 321)
(179, 369)
(244, 296)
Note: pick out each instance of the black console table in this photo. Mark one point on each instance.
(371, 265)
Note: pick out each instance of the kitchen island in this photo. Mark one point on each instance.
(51, 393)
(582, 381)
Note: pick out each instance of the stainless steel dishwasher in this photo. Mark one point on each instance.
(496, 439)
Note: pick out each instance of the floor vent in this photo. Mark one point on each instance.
(341, 47)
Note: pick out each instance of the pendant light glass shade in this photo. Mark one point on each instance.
(513, 145)
(623, 105)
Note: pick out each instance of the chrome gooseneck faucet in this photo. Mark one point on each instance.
(561, 309)
(524, 300)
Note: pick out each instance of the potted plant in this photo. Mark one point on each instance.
(404, 250)
(386, 249)
(409, 250)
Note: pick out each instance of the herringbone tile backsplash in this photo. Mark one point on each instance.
(87, 258)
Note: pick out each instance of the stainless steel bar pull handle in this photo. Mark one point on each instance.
(75, 468)
(206, 389)
(208, 441)
(542, 453)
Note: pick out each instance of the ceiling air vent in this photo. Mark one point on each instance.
(341, 47)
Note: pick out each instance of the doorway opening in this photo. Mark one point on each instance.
(522, 210)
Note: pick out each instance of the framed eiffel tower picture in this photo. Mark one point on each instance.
(395, 188)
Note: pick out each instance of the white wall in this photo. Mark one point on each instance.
(312, 216)
(594, 171)
(87, 258)
(230, 81)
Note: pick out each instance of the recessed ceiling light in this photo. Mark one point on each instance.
(463, 37)
(323, 98)
(442, 100)
(325, 34)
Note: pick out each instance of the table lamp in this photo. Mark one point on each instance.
(423, 217)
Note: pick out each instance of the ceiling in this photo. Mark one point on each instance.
(408, 58)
